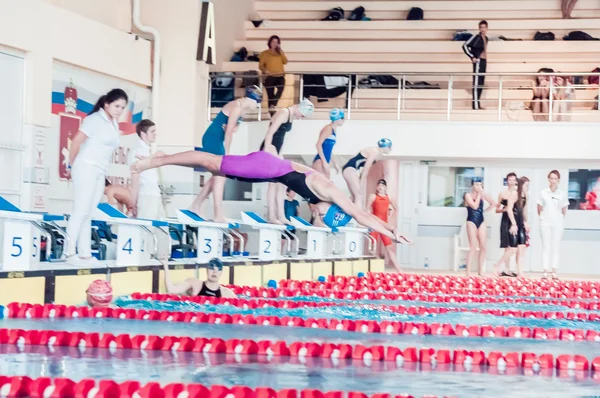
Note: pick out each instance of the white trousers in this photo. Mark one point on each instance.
(551, 236)
(150, 207)
(88, 189)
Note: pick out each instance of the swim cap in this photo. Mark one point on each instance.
(384, 143)
(99, 293)
(306, 107)
(255, 93)
(216, 264)
(336, 217)
(476, 179)
(336, 114)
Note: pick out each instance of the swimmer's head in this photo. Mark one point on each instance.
(254, 93)
(477, 183)
(305, 108)
(99, 294)
(337, 115)
(385, 144)
(336, 217)
(381, 187)
(214, 269)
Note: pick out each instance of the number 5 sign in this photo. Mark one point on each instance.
(20, 245)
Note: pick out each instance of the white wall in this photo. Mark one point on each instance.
(229, 25)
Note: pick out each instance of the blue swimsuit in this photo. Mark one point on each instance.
(327, 146)
(214, 137)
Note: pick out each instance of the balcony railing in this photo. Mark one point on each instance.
(568, 97)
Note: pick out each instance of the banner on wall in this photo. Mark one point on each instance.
(74, 93)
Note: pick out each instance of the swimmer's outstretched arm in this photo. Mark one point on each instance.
(210, 162)
(186, 287)
(366, 219)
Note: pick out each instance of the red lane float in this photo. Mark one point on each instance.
(410, 296)
(300, 350)
(361, 326)
(400, 309)
(23, 386)
(454, 285)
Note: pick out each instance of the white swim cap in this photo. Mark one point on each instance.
(306, 107)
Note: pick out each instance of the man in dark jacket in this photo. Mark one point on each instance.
(476, 49)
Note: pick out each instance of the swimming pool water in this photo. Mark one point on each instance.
(323, 374)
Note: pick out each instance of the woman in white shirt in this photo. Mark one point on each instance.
(92, 149)
(552, 208)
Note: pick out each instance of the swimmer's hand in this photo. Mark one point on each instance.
(403, 240)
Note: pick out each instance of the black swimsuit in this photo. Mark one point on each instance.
(205, 291)
(279, 135)
(475, 215)
(356, 162)
(506, 238)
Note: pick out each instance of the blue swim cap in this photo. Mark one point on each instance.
(384, 143)
(255, 93)
(215, 263)
(336, 217)
(476, 179)
(336, 114)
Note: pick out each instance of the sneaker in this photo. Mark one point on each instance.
(74, 260)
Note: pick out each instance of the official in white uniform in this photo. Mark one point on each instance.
(92, 149)
(552, 207)
(145, 189)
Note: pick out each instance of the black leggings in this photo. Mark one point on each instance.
(274, 86)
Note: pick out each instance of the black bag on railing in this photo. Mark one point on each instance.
(415, 14)
(358, 14)
(578, 35)
(543, 36)
(335, 14)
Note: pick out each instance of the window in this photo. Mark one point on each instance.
(584, 189)
(447, 185)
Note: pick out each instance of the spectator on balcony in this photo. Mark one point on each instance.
(541, 93)
(476, 50)
(271, 63)
(563, 94)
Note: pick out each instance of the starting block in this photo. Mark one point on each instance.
(269, 236)
(209, 239)
(131, 236)
(21, 236)
(316, 237)
(352, 241)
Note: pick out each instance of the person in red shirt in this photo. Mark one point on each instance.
(379, 205)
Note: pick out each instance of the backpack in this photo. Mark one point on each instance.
(462, 35)
(542, 36)
(335, 14)
(358, 14)
(578, 35)
(415, 14)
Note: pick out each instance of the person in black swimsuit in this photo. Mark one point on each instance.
(514, 226)
(476, 228)
(512, 185)
(195, 287)
(281, 124)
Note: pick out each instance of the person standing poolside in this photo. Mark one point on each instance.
(552, 208)
(217, 140)
(379, 203)
(326, 142)
(91, 151)
(360, 165)
(281, 124)
(476, 227)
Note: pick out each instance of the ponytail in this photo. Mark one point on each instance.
(113, 95)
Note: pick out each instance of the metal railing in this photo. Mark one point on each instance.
(424, 96)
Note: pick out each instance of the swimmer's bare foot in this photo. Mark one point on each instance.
(220, 219)
(284, 221)
(146, 163)
(274, 221)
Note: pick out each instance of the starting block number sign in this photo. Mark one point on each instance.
(210, 244)
(132, 245)
(270, 244)
(20, 245)
(353, 245)
(315, 247)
